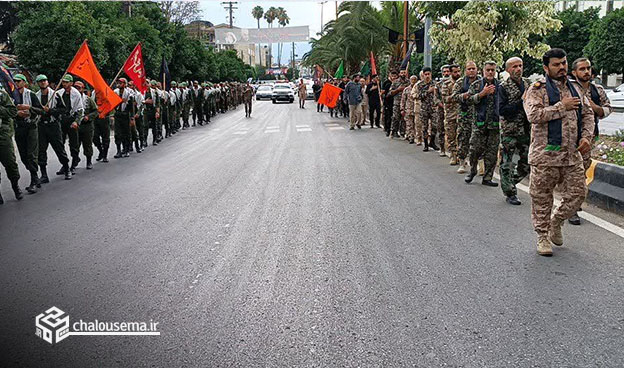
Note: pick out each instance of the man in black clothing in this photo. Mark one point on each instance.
(374, 103)
(388, 101)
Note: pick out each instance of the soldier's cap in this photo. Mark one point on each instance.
(19, 77)
(123, 80)
(174, 83)
(154, 82)
(79, 84)
(67, 78)
(41, 77)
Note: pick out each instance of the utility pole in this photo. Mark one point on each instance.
(230, 6)
(405, 27)
(322, 6)
(427, 51)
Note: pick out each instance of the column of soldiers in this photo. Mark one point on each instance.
(544, 129)
(70, 114)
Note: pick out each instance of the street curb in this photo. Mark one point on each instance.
(606, 186)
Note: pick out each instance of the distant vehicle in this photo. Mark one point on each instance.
(309, 89)
(617, 97)
(264, 92)
(283, 92)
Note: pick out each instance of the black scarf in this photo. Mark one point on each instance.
(554, 126)
(595, 97)
(482, 106)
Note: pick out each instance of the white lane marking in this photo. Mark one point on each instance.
(272, 131)
(583, 214)
(272, 127)
(304, 130)
(244, 128)
(241, 132)
(302, 126)
(331, 124)
(336, 128)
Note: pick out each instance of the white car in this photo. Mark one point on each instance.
(283, 92)
(617, 97)
(264, 91)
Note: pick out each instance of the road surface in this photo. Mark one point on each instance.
(286, 240)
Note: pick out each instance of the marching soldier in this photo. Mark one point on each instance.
(562, 125)
(85, 130)
(446, 72)
(152, 111)
(600, 105)
(485, 130)
(50, 132)
(248, 98)
(427, 92)
(69, 109)
(407, 110)
(8, 112)
(396, 89)
(466, 113)
(198, 99)
(26, 132)
(122, 117)
(186, 105)
(515, 130)
(450, 111)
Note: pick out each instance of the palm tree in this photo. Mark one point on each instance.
(270, 15)
(257, 12)
(282, 19)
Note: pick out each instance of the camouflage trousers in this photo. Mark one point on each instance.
(511, 174)
(440, 123)
(397, 119)
(464, 132)
(484, 143)
(544, 179)
(450, 128)
(7, 152)
(410, 127)
(418, 122)
(428, 120)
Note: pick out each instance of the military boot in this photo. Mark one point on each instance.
(137, 146)
(454, 160)
(100, 151)
(543, 246)
(118, 154)
(17, 190)
(34, 180)
(481, 166)
(44, 174)
(555, 235)
(126, 149)
(426, 148)
(105, 154)
(66, 172)
(89, 163)
(432, 143)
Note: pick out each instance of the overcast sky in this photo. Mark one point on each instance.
(301, 13)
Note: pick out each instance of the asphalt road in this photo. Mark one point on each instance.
(286, 240)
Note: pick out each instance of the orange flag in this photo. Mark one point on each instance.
(84, 67)
(329, 95)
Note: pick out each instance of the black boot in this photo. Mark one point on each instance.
(471, 175)
(89, 164)
(125, 150)
(66, 172)
(34, 180)
(105, 154)
(137, 146)
(130, 148)
(17, 190)
(118, 154)
(44, 174)
(432, 144)
(426, 149)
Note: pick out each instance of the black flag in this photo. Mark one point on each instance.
(393, 36)
(419, 39)
(165, 77)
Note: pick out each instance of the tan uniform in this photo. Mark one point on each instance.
(451, 107)
(605, 103)
(550, 168)
(407, 106)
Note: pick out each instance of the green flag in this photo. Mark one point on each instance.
(340, 71)
(365, 71)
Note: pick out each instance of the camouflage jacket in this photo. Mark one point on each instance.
(396, 85)
(407, 103)
(458, 92)
(513, 120)
(427, 99)
(451, 106)
(539, 113)
(490, 121)
(604, 102)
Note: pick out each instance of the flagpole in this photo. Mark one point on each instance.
(121, 69)
(64, 74)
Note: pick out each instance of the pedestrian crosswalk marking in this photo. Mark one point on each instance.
(336, 128)
(304, 130)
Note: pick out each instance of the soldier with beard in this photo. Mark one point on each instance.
(450, 112)
(396, 89)
(466, 114)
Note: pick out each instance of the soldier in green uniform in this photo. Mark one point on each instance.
(50, 132)
(485, 130)
(137, 125)
(123, 113)
(466, 114)
(69, 109)
(26, 134)
(8, 112)
(85, 131)
(206, 108)
(177, 107)
(101, 134)
(152, 111)
(186, 105)
(197, 95)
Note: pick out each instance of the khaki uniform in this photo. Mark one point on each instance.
(441, 116)
(8, 112)
(428, 109)
(451, 110)
(599, 96)
(563, 167)
(407, 106)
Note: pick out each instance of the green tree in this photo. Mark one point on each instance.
(606, 40)
(257, 12)
(482, 30)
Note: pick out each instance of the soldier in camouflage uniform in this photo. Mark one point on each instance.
(562, 125)
(466, 114)
(186, 105)
(485, 130)
(450, 112)
(515, 130)
(26, 129)
(427, 93)
(152, 111)
(407, 110)
(446, 72)
(8, 112)
(85, 130)
(396, 90)
(600, 104)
